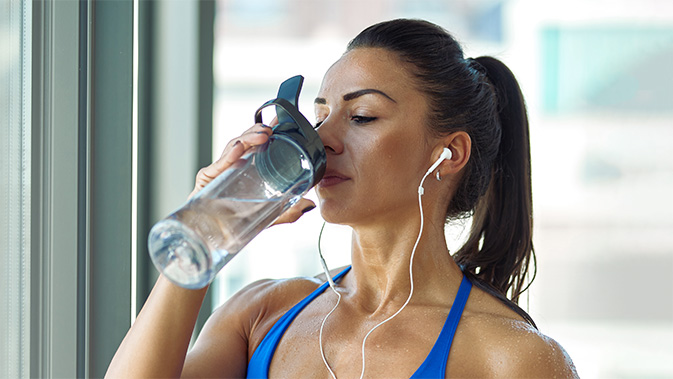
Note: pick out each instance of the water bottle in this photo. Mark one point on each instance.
(190, 246)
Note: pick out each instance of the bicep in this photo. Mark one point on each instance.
(221, 350)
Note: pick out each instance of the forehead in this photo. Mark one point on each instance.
(375, 68)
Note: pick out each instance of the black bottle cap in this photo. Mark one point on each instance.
(294, 125)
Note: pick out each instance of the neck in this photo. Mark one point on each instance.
(381, 259)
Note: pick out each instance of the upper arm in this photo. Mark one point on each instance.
(234, 329)
(221, 349)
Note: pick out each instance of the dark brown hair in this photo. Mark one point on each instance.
(481, 97)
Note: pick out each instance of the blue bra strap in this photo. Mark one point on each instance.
(259, 364)
(434, 365)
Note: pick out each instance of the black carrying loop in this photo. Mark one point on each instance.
(287, 109)
(293, 124)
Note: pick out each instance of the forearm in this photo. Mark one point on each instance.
(157, 343)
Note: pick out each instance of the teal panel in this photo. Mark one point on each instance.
(597, 69)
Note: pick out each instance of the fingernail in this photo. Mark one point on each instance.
(307, 209)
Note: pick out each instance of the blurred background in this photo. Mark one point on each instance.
(598, 80)
(108, 109)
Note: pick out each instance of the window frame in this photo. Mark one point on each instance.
(81, 185)
(92, 121)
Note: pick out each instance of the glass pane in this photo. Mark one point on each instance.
(597, 82)
(15, 189)
(253, 58)
(286, 39)
(607, 68)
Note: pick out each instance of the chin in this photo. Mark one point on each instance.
(334, 213)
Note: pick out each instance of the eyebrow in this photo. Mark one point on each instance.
(353, 95)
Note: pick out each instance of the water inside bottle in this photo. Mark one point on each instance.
(226, 223)
(199, 239)
(195, 242)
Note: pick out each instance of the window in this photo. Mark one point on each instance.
(66, 189)
(598, 87)
(607, 68)
(15, 195)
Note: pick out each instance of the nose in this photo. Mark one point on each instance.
(331, 136)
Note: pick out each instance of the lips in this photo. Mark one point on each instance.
(332, 178)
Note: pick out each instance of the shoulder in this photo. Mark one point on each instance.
(502, 344)
(520, 350)
(271, 293)
(258, 306)
(263, 302)
(235, 329)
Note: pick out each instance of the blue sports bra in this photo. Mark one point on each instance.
(434, 365)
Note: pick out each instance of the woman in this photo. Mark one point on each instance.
(386, 111)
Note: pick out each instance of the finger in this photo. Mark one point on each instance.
(256, 135)
(295, 212)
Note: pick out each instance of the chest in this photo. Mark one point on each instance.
(396, 349)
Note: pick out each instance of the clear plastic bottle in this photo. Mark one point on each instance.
(191, 245)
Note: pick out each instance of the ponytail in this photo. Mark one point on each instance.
(500, 248)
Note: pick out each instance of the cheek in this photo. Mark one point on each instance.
(376, 145)
(373, 157)
(388, 166)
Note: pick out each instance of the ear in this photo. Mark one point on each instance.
(460, 145)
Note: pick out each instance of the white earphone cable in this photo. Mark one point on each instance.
(411, 274)
(322, 352)
(411, 290)
(333, 287)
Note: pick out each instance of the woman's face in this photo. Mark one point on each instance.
(372, 121)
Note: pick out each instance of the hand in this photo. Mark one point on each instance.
(256, 135)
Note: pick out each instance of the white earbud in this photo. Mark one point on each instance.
(446, 154)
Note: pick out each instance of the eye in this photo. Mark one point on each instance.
(362, 119)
